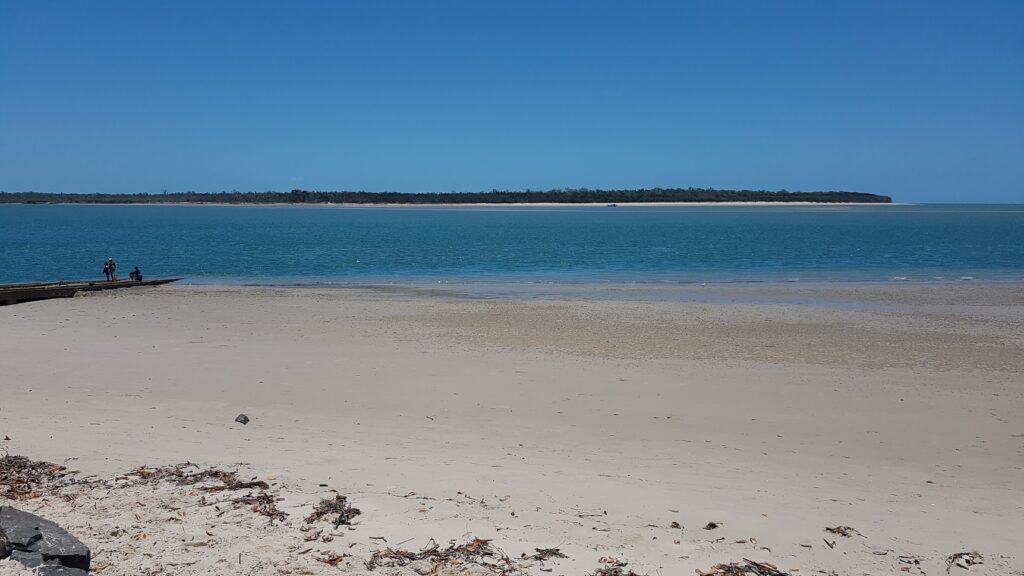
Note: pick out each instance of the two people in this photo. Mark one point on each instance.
(110, 271)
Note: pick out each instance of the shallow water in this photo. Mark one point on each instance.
(313, 244)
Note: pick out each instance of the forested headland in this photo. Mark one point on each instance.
(556, 196)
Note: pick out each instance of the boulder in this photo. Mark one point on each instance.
(27, 559)
(33, 538)
(56, 570)
(5, 546)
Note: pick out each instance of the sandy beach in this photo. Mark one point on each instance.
(671, 431)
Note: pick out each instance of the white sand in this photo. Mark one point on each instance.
(587, 425)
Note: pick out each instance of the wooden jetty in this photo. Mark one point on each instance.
(15, 293)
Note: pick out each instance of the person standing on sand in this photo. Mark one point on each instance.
(113, 269)
(106, 269)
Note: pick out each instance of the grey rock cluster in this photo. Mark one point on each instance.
(41, 545)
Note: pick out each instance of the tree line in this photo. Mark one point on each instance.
(558, 196)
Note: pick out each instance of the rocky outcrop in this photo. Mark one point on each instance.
(40, 544)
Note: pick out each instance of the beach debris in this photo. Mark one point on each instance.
(477, 552)
(543, 554)
(676, 525)
(339, 505)
(844, 531)
(24, 479)
(909, 560)
(188, 474)
(712, 525)
(331, 558)
(963, 560)
(745, 568)
(614, 567)
(242, 419)
(613, 571)
(36, 542)
(263, 504)
(182, 475)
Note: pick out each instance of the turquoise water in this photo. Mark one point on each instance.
(307, 244)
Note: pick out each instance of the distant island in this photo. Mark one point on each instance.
(556, 196)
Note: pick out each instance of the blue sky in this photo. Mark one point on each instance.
(923, 101)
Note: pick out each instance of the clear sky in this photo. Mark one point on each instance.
(921, 100)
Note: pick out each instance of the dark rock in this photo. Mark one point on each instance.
(27, 559)
(5, 546)
(28, 533)
(242, 419)
(57, 570)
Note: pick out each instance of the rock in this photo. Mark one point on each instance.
(242, 419)
(31, 536)
(27, 559)
(5, 546)
(57, 570)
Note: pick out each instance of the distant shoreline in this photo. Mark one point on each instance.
(459, 205)
(558, 196)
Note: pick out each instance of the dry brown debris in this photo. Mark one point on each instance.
(478, 552)
(963, 560)
(613, 571)
(543, 554)
(188, 474)
(263, 504)
(24, 479)
(182, 475)
(615, 567)
(844, 531)
(745, 568)
(339, 505)
(331, 558)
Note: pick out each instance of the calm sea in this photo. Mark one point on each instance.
(308, 244)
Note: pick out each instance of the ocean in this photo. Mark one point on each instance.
(584, 244)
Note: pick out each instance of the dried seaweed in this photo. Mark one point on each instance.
(844, 531)
(478, 552)
(613, 571)
(188, 474)
(181, 475)
(745, 568)
(963, 560)
(339, 505)
(263, 504)
(331, 558)
(545, 554)
(24, 479)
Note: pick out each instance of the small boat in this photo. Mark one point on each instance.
(16, 293)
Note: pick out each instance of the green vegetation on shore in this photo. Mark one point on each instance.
(558, 196)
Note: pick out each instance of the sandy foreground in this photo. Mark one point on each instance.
(612, 427)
